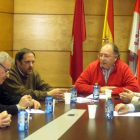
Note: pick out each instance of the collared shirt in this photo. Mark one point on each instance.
(106, 73)
(18, 107)
(22, 72)
(131, 107)
(136, 97)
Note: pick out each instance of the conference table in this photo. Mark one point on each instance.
(120, 128)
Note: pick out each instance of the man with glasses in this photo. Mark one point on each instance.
(6, 70)
(10, 104)
(109, 72)
(25, 80)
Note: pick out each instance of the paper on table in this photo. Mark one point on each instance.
(134, 114)
(83, 100)
(37, 111)
(91, 96)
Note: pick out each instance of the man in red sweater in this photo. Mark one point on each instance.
(109, 72)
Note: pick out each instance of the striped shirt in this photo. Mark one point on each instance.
(106, 73)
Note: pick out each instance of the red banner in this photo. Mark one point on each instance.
(78, 36)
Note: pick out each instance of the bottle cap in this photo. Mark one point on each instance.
(21, 107)
(48, 94)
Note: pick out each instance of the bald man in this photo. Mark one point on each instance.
(109, 72)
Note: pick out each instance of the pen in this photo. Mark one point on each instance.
(29, 115)
(29, 107)
(117, 98)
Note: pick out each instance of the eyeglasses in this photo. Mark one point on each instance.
(100, 55)
(6, 70)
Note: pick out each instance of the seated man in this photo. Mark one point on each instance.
(123, 108)
(109, 72)
(25, 80)
(13, 103)
(5, 119)
(129, 96)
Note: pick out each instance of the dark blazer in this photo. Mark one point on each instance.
(8, 101)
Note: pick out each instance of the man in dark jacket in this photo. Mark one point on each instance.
(23, 78)
(10, 104)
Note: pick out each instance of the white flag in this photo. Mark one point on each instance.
(134, 39)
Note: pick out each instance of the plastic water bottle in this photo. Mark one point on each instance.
(109, 108)
(48, 105)
(96, 93)
(22, 121)
(73, 92)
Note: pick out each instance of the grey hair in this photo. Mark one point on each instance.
(5, 56)
(115, 49)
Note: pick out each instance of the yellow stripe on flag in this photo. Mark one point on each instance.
(108, 35)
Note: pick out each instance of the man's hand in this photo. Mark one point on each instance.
(5, 119)
(57, 93)
(25, 101)
(102, 89)
(127, 96)
(121, 108)
(35, 103)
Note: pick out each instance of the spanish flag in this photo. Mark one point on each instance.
(78, 36)
(108, 31)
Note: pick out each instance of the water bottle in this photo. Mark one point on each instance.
(96, 93)
(73, 92)
(22, 121)
(48, 105)
(109, 108)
